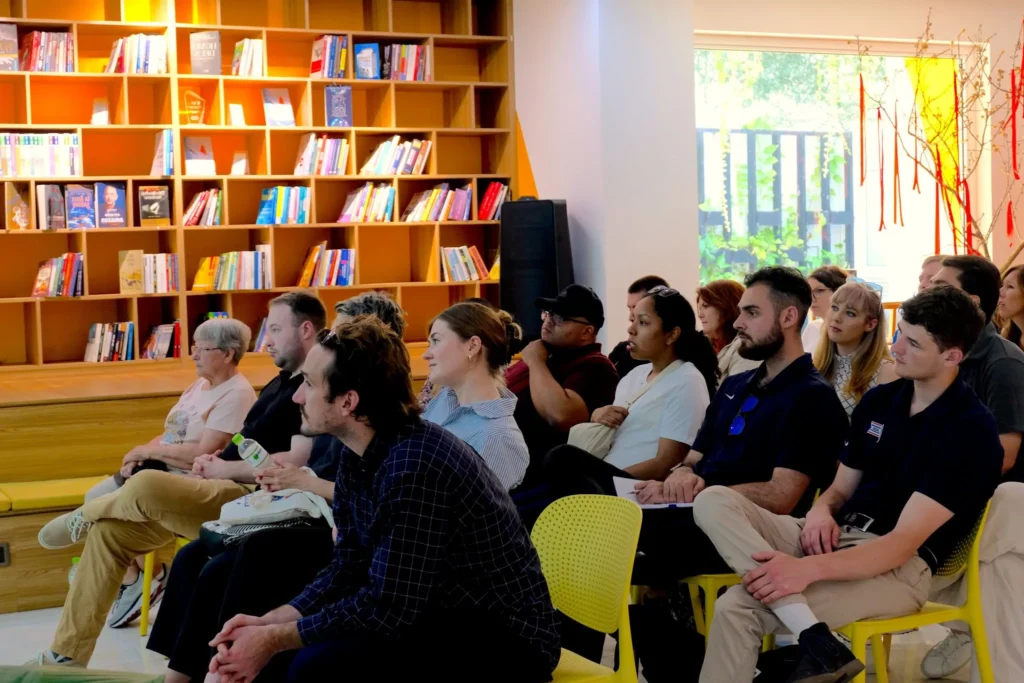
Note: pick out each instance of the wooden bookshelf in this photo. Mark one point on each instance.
(467, 113)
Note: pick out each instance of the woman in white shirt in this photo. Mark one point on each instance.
(824, 282)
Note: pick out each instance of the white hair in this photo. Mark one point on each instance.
(226, 334)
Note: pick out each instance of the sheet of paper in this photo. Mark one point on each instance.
(624, 489)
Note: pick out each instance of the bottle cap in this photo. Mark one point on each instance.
(75, 560)
(237, 439)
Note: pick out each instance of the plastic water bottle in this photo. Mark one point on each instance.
(251, 451)
(74, 568)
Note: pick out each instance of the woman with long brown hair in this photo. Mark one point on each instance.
(853, 355)
(718, 306)
(1011, 304)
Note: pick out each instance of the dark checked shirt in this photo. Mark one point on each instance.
(423, 526)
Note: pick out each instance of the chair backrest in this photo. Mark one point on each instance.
(586, 546)
(966, 551)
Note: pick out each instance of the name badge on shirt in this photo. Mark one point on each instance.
(875, 430)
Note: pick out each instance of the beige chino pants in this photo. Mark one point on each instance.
(739, 529)
(143, 515)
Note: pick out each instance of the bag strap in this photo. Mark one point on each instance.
(674, 365)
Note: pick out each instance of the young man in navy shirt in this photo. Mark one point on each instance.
(900, 503)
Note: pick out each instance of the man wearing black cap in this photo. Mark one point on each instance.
(564, 376)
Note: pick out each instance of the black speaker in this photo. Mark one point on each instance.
(536, 257)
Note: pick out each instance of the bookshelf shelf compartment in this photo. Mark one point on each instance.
(473, 154)
(228, 38)
(101, 271)
(330, 195)
(468, 62)
(202, 243)
(95, 41)
(228, 143)
(65, 324)
(490, 17)
(244, 196)
(63, 101)
(103, 153)
(290, 250)
(13, 99)
(441, 106)
(249, 95)
(430, 16)
(492, 107)
(150, 102)
(271, 13)
(371, 103)
(18, 342)
(396, 252)
(286, 142)
(350, 15)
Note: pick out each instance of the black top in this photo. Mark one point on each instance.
(798, 424)
(273, 419)
(324, 456)
(624, 363)
(994, 369)
(949, 452)
(423, 526)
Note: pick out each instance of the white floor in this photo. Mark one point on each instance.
(24, 633)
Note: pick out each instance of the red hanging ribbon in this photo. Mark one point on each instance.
(917, 162)
(938, 238)
(1011, 232)
(1013, 122)
(863, 173)
(897, 195)
(941, 188)
(968, 220)
(956, 128)
(881, 174)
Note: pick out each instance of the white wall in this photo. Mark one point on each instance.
(604, 95)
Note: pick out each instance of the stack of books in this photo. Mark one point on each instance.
(248, 58)
(138, 54)
(159, 273)
(394, 157)
(462, 264)
(490, 205)
(369, 204)
(284, 205)
(164, 342)
(406, 63)
(110, 342)
(60, 276)
(45, 51)
(329, 56)
(235, 270)
(440, 204)
(323, 156)
(35, 155)
(206, 208)
(328, 267)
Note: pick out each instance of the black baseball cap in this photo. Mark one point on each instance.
(575, 301)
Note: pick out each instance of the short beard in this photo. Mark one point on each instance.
(764, 349)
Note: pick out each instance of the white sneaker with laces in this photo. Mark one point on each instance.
(50, 658)
(949, 656)
(64, 531)
(128, 605)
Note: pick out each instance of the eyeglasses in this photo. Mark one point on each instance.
(739, 422)
(204, 349)
(818, 292)
(327, 337)
(873, 286)
(557, 320)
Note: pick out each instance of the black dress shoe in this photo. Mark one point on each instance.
(823, 659)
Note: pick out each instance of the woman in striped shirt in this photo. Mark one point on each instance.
(469, 346)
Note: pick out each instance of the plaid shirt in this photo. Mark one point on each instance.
(422, 525)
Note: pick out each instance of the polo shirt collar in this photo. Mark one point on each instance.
(942, 407)
(799, 368)
(503, 406)
(989, 336)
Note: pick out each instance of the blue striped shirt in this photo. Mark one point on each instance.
(489, 427)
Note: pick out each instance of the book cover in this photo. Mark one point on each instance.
(19, 215)
(199, 156)
(80, 207)
(129, 271)
(316, 60)
(205, 46)
(338, 106)
(277, 107)
(162, 154)
(268, 206)
(367, 60)
(154, 205)
(50, 207)
(8, 47)
(111, 206)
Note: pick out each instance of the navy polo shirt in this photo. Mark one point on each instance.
(950, 452)
(798, 424)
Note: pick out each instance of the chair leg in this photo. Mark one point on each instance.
(982, 654)
(710, 598)
(768, 644)
(859, 646)
(880, 653)
(698, 609)
(147, 583)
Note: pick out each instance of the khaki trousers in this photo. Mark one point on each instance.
(1002, 585)
(739, 528)
(144, 515)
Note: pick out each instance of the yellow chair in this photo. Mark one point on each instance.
(587, 545)
(711, 585)
(147, 584)
(874, 630)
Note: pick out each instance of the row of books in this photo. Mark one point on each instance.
(393, 62)
(322, 156)
(463, 264)
(74, 206)
(284, 205)
(46, 51)
(369, 204)
(110, 342)
(60, 276)
(139, 53)
(141, 273)
(490, 203)
(248, 57)
(206, 208)
(440, 204)
(36, 155)
(329, 56)
(328, 267)
(394, 157)
(164, 342)
(235, 270)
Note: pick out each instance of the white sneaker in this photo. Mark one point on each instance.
(64, 531)
(50, 658)
(949, 656)
(128, 605)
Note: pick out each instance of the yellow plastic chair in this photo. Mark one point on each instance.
(587, 545)
(966, 553)
(147, 584)
(712, 585)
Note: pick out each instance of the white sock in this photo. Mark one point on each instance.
(796, 616)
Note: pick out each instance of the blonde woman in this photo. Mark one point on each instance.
(852, 355)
